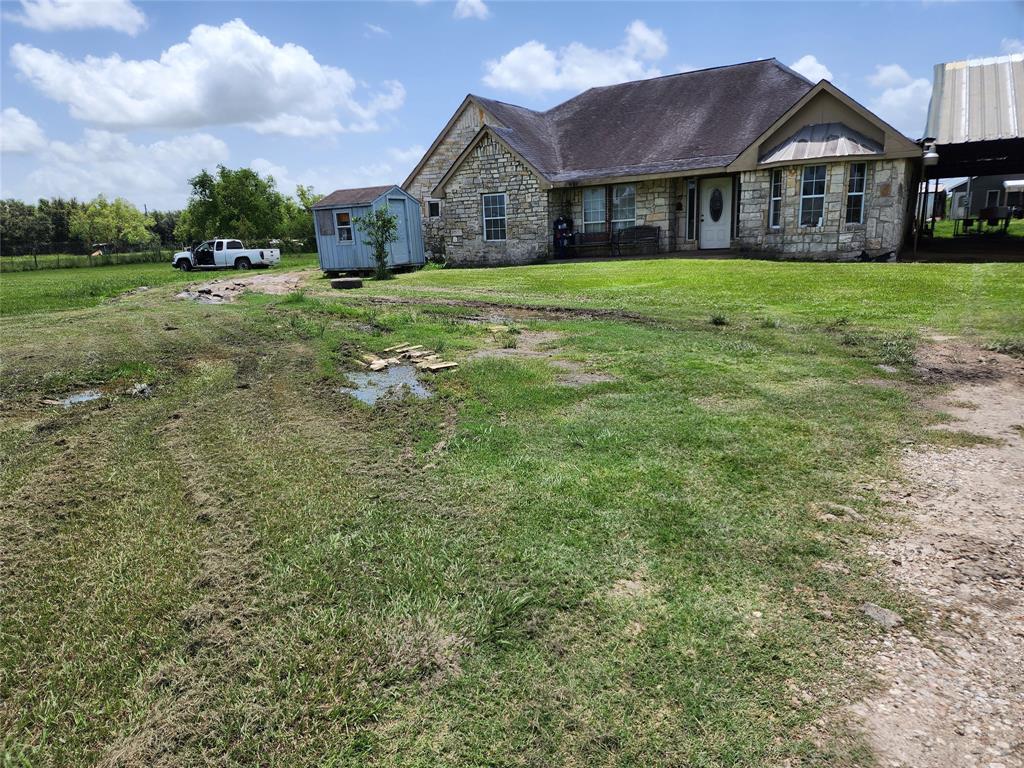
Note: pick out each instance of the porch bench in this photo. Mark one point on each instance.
(584, 242)
(640, 236)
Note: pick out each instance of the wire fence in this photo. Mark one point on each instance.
(63, 255)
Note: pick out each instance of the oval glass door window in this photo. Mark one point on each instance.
(716, 204)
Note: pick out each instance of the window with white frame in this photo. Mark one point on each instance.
(812, 196)
(992, 198)
(775, 201)
(594, 209)
(623, 206)
(855, 193)
(344, 221)
(495, 221)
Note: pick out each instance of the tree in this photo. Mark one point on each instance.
(380, 229)
(118, 222)
(233, 203)
(15, 223)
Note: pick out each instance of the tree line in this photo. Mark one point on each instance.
(236, 203)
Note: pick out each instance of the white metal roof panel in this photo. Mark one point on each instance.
(822, 140)
(977, 100)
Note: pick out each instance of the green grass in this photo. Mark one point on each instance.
(944, 230)
(73, 260)
(60, 289)
(251, 568)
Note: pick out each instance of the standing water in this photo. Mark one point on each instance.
(371, 386)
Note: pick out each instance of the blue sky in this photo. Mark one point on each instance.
(131, 98)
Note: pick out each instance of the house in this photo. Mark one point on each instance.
(983, 192)
(339, 241)
(752, 157)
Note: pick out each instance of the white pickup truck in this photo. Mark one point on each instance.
(221, 254)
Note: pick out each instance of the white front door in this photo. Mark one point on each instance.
(715, 212)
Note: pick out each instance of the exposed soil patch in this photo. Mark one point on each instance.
(542, 345)
(957, 699)
(225, 290)
(504, 312)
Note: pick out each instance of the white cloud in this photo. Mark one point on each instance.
(889, 76)
(49, 15)
(471, 9)
(809, 66)
(374, 30)
(326, 180)
(533, 67)
(905, 106)
(1013, 45)
(19, 133)
(410, 155)
(219, 76)
(103, 162)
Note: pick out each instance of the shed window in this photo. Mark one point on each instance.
(325, 223)
(344, 222)
(495, 220)
(594, 211)
(992, 198)
(855, 193)
(433, 209)
(775, 203)
(623, 206)
(812, 196)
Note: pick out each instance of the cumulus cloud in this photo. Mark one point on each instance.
(1012, 45)
(889, 76)
(104, 162)
(903, 99)
(809, 66)
(49, 15)
(533, 67)
(410, 155)
(219, 76)
(19, 133)
(471, 9)
(326, 180)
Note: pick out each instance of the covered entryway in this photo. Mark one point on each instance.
(715, 212)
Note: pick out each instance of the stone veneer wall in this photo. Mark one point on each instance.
(490, 168)
(653, 206)
(421, 186)
(885, 208)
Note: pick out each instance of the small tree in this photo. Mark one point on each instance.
(380, 229)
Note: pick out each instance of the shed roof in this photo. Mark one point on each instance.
(822, 140)
(977, 100)
(686, 121)
(357, 196)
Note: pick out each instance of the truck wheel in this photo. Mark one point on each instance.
(242, 263)
(184, 265)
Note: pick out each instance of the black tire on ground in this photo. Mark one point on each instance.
(242, 263)
(184, 265)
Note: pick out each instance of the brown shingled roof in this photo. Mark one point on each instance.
(359, 196)
(687, 121)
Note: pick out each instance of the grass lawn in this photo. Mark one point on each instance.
(249, 567)
(73, 288)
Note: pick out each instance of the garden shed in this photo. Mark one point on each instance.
(339, 241)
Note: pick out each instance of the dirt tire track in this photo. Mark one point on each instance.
(956, 697)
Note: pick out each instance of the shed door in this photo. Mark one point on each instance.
(400, 248)
(715, 212)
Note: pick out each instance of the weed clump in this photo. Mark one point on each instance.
(719, 320)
